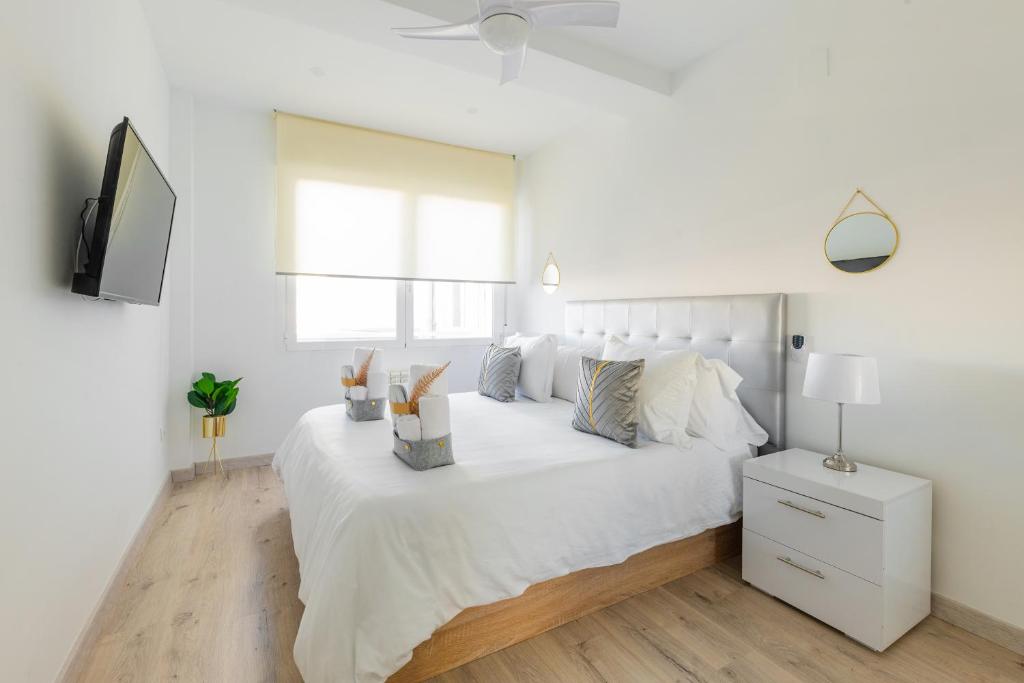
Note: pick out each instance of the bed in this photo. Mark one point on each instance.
(407, 574)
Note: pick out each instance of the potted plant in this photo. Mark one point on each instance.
(218, 399)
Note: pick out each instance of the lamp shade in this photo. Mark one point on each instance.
(842, 378)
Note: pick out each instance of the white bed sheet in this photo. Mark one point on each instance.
(387, 554)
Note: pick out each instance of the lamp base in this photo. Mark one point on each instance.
(839, 463)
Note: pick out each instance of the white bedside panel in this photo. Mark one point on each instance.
(849, 603)
(848, 540)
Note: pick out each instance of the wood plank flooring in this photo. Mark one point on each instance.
(212, 598)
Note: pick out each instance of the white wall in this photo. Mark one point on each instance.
(238, 318)
(84, 383)
(733, 188)
(180, 286)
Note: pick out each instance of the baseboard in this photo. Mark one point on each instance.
(980, 624)
(72, 669)
(184, 474)
(238, 463)
(190, 473)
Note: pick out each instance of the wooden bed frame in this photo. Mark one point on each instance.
(479, 631)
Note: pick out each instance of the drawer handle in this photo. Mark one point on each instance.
(791, 563)
(791, 504)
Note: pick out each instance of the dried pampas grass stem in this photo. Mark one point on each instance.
(364, 370)
(422, 386)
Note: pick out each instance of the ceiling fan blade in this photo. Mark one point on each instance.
(512, 65)
(573, 13)
(463, 31)
(487, 7)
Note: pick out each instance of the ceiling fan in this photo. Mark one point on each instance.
(505, 25)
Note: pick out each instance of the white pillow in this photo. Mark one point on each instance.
(567, 369)
(616, 348)
(716, 413)
(567, 372)
(537, 373)
(666, 389)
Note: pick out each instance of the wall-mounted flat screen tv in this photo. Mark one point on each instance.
(127, 253)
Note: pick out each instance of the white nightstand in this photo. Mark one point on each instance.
(853, 550)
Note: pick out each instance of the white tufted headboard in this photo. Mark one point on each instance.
(747, 331)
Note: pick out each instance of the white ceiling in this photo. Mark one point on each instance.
(671, 34)
(337, 59)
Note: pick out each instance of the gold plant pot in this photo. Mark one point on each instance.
(214, 426)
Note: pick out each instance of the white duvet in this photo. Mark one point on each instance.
(387, 554)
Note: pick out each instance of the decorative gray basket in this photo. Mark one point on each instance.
(423, 455)
(363, 411)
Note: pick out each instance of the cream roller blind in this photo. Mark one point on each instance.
(361, 203)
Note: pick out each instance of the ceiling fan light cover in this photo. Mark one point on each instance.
(504, 33)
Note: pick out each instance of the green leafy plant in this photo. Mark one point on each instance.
(216, 398)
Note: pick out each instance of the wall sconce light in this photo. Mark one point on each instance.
(551, 277)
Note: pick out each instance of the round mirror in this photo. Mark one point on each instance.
(861, 242)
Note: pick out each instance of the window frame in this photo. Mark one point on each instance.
(404, 325)
(497, 315)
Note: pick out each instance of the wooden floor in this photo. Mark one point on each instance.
(213, 598)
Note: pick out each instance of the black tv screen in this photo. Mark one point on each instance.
(127, 253)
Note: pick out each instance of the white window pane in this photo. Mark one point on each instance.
(452, 310)
(332, 308)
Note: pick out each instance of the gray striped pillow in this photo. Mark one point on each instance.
(499, 372)
(606, 398)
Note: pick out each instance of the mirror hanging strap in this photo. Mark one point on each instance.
(865, 195)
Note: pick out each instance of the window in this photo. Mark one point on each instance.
(340, 309)
(452, 310)
(334, 312)
(389, 240)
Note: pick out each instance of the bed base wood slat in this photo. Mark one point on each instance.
(479, 631)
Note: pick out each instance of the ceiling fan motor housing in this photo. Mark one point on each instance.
(504, 31)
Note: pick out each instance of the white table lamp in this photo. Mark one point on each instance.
(842, 379)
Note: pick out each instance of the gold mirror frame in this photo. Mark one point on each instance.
(843, 215)
(551, 276)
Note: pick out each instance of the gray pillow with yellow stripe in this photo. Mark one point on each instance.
(499, 372)
(606, 398)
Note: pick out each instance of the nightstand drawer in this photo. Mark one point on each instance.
(845, 539)
(850, 604)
